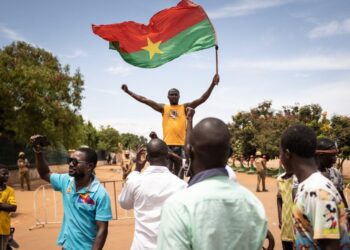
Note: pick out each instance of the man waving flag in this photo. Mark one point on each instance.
(169, 34)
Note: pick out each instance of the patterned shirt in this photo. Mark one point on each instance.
(336, 177)
(318, 213)
(285, 188)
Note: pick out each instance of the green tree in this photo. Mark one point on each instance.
(89, 135)
(131, 141)
(108, 139)
(340, 132)
(38, 96)
(261, 128)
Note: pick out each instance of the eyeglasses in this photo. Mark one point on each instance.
(74, 161)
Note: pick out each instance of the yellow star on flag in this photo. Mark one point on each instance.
(152, 48)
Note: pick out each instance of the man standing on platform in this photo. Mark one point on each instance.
(174, 116)
(214, 212)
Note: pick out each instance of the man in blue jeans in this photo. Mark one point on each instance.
(86, 203)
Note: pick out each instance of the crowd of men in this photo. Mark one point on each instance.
(210, 211)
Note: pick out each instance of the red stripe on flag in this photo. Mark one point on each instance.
(162, 26)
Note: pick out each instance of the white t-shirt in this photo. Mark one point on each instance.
(145, 193)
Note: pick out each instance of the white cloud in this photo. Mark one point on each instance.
(76, 53)
(332, 96)
(120, 70)
(245, 7)
(301, 63)
(305, 63)
(330, 29)
(11, 34)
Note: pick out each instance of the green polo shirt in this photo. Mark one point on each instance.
(213, 214)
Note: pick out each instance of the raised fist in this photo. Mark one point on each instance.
(125, 87)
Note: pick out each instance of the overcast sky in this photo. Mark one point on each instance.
(287, 51)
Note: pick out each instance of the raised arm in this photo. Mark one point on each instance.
(189, 116)
(40, 162)
(156, 106)
(194, 104)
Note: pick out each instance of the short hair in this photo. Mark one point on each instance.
(157, 148)
(90, 155)
(300, 140)
(3, 166)
(173, 90)
(325, 144)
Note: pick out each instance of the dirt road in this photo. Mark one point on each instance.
(120, 231)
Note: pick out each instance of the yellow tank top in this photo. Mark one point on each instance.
(174, 124)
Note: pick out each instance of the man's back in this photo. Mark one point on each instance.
(145, 193)
(213, 214)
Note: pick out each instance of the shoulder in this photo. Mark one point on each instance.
(102, 192)
(247, 195)
(176, 180)
(335, 171)
(318, 185)
(99, 190)
(9, 189)
(280, 177)
(179, 198)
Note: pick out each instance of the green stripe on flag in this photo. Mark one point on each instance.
(199, 36)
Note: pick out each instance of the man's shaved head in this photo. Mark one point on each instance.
(210, 142)
(157, 148)
(174, 96)
(173, 90)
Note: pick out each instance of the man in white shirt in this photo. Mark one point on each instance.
(146, 192)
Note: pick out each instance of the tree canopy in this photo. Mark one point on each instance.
(261, 128)
(38, 95)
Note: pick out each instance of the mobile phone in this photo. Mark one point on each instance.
(39, 140)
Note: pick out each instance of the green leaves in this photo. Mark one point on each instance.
(38, 95)
(261, 128)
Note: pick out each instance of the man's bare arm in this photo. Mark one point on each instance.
(194, 104)
(40, 162)
(156, 106)
(189, 116)
(101, 235)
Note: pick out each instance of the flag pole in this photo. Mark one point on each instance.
(217, 58)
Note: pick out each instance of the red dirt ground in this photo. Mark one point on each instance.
(120, 231)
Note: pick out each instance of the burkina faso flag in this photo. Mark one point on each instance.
(170, 33)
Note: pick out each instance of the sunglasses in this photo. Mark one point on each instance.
(74, 161)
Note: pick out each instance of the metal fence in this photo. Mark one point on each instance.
(48, 207)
